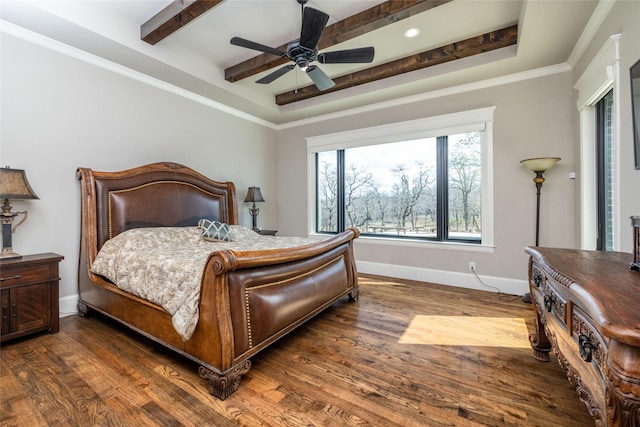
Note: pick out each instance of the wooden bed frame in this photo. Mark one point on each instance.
(249, 299)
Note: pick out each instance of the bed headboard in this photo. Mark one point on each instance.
(158, 194)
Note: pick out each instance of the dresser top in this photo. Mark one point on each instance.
(601, 283)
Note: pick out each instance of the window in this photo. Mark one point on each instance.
(421, 180)
(605, 173)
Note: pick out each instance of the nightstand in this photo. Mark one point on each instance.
(29, 295)
(266, 232)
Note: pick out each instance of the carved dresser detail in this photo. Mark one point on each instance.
(587, 310)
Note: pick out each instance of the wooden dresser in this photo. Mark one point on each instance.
(587, 310)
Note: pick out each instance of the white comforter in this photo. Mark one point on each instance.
(164, 265)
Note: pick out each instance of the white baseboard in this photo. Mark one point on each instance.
(69, 305)
(450, 278)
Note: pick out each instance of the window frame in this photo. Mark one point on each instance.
(601, 75)
(448, 124)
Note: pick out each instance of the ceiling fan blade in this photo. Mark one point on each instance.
(277, 73)
(239, 41)
(350, 56)
(313, 23)
(320, 79)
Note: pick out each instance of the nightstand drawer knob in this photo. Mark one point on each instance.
(548, 302)
(538, 278)
(586, 347)
(2, 279)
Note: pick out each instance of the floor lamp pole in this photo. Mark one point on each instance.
(538, 180)
(539, 166)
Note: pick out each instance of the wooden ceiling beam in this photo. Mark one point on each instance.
(173, 17)
(361, 23)
(479, 44)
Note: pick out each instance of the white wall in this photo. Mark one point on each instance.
(60, 113)
(533, 118)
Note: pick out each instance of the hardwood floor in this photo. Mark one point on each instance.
(383, 361)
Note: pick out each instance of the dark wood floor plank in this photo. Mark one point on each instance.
(398, 394)
(346, 367)
(135, 363)
(16, 408)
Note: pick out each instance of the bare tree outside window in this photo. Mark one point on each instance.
(409, 190)
(464, 183)
(327, 189)
(357, 181)
(390, 189)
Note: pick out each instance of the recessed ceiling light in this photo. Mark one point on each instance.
(412, 32)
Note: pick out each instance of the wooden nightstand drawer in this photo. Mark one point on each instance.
(554, 302)
(25, 275)
(591, 345)
(29, 295)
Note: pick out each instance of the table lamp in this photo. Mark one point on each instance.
(13, 186)
(254, 195)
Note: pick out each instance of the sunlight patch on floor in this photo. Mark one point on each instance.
(467, 331)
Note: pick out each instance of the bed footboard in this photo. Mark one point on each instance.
(269, 299)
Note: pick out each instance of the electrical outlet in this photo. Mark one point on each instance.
(472, 266)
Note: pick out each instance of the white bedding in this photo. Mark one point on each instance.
(164, 265)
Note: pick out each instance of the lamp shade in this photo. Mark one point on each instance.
(254, 195)
(14, 185)
(540, 164)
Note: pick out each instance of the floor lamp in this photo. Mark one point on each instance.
(539, 166)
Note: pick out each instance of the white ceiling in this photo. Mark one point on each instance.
(194, 58)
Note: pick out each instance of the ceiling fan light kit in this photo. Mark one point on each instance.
(303, 51)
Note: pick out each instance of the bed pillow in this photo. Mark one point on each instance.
(242, 233)
(214, 230)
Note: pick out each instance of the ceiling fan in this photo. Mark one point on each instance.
(304, 50)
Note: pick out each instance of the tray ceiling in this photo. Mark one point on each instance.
(460, 42)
